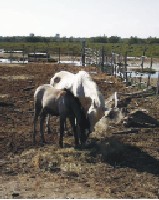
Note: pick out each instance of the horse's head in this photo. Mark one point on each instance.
(95, 113)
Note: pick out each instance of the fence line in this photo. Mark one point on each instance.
(112, 63)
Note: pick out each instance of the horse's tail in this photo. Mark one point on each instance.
(37, 105)
(35, 118)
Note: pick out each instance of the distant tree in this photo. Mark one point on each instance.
(114, 39)
(33, 39)
(99, 39)
(152, 40)
(136, 40)
(133, 40)
(71, 39)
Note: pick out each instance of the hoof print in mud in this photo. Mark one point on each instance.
(72, 174)
(54, 169)
(15, 195)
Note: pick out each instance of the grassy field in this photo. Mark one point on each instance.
(133, 50)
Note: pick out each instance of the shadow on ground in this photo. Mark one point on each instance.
(118, 154)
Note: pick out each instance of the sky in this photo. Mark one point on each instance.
(80, 18)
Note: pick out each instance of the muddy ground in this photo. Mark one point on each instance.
(120, 162)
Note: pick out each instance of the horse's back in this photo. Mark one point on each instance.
(52, 100)
(40, 90)
(39, 93)
(47, 97)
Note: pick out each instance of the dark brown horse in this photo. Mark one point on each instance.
(62, 103)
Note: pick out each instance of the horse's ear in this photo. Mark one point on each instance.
(62, 93)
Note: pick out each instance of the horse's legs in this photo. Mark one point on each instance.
(62, 124)
(75, 130)
(36, 114)
(42, 119)
(48, 123)
(65, 127)
(80, 131)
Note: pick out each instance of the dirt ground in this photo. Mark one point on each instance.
(120, 162)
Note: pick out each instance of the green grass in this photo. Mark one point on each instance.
(136, 49)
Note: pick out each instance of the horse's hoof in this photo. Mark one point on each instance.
(61, 144)
(41, 144)
(49, 131)
(83, 146)
(77, 146)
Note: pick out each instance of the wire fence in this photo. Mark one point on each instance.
(129, 69)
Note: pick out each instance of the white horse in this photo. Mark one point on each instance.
(82, 86)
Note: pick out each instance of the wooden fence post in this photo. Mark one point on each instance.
(83, 53)
(34, 55)
(142, 64)
(149, 74)
(115, 64)
(23, 53)
(96, 57)
(157, 89)
(47, 53)
(126, 77)
(11, 55)
(111, 63)
(102, 58)
(59, 51)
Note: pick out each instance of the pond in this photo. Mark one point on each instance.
(4, 60)
(155, 66)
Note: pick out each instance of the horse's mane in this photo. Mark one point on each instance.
(84, 86)
(68, 92)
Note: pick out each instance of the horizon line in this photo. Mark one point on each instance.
(79, 36)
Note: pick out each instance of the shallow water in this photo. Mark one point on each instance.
(3, 60)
